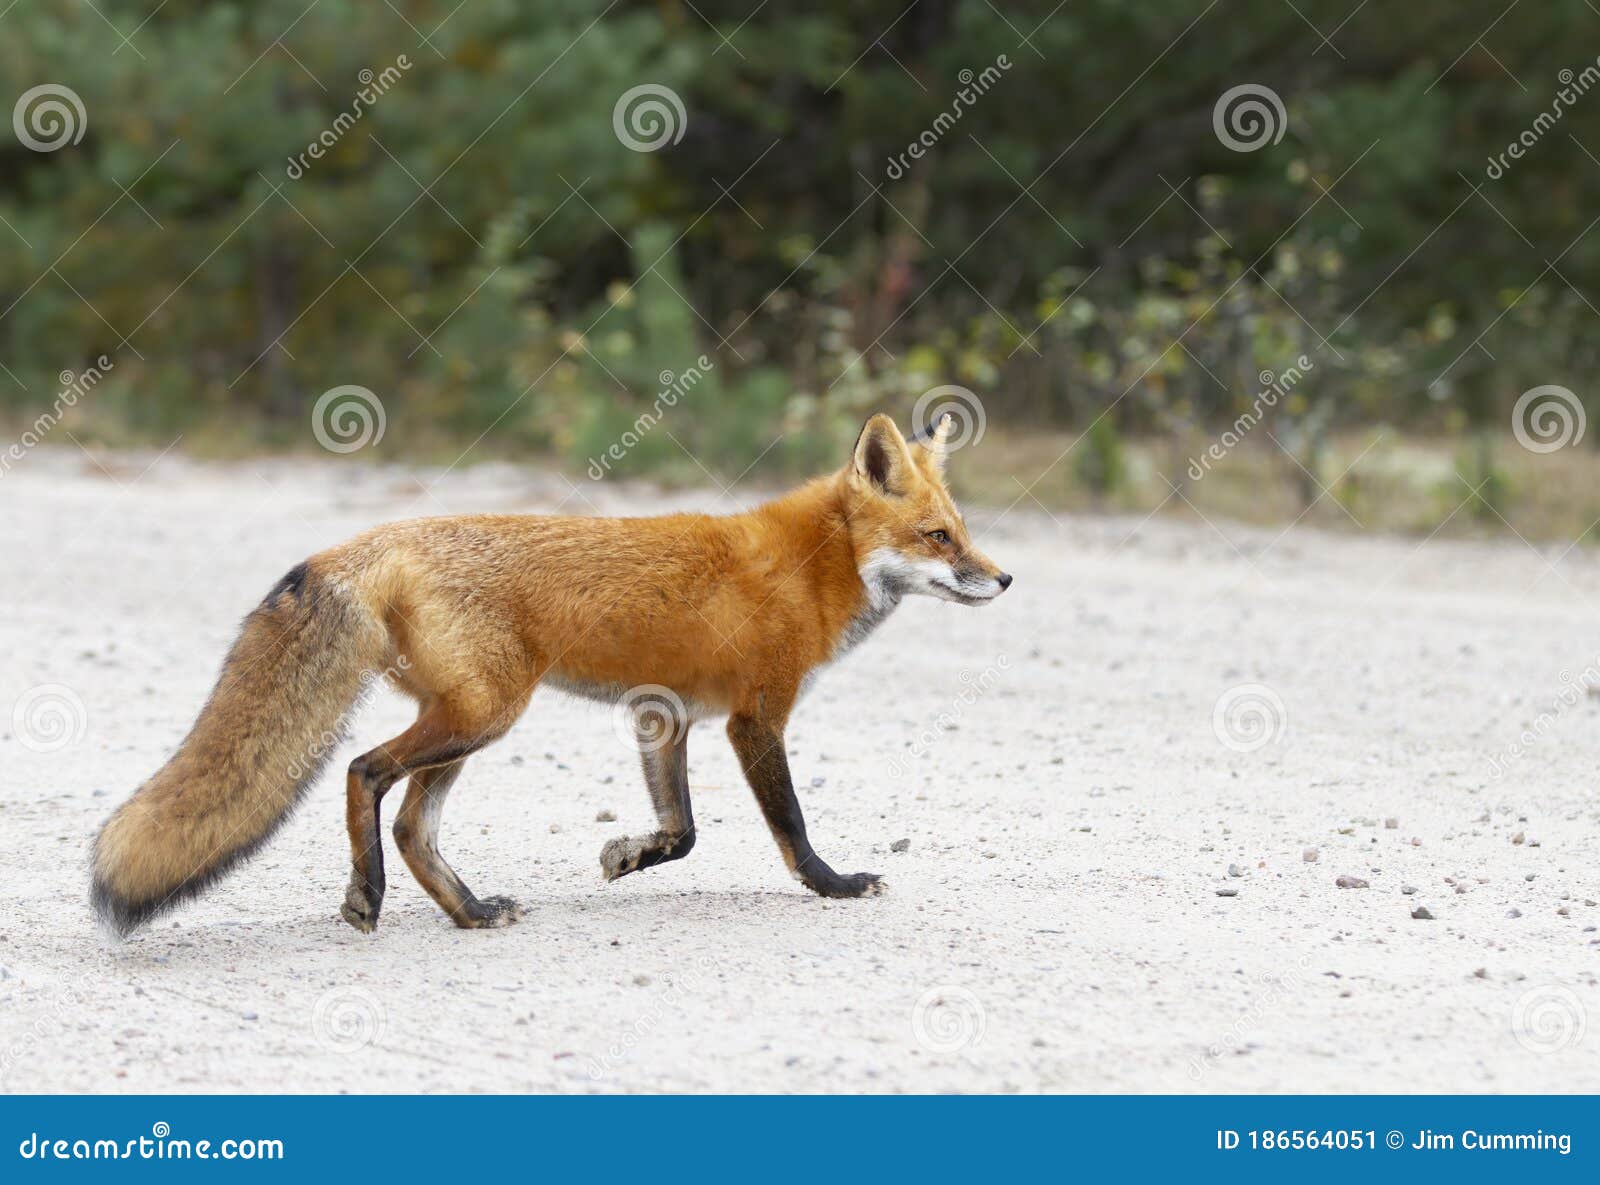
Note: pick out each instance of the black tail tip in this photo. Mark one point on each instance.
(118, 916)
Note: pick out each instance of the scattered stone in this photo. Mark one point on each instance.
(1235, 870)
(1391, 824)
(1421, 914)
(1530, 876)
(1228, 892)
(1309, 855)
(641, 981)
(1481, 973)
(1564, 912)
(605, 815)
(1352, 882)
(555, 829)
(1518, 838)
(818, 782)
(900, 845)
(248, 1016)
(1514, 912)
(1408, 890)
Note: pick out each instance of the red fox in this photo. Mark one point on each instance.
(685, 617)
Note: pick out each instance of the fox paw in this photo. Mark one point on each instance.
(489, 913)
(621, 856)
(859, 884)
(359, 910)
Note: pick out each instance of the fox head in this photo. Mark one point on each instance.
(907, 533)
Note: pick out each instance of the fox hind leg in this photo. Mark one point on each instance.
(443, 734)
(665, 758)
(416, 834)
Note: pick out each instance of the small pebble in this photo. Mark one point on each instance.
(1235, 870)
(1309, 855)
(1421, 914)
(1391, 823)
(1351, 882)
(605, 815)
(1408, 889)
(1227, 892)
(900, 845)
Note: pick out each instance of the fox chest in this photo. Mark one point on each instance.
(856, 631)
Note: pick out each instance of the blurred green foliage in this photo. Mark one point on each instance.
(482, 250)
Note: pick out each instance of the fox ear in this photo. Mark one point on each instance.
(933, 445)
(881, 456)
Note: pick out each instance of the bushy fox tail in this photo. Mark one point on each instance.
(254, 751)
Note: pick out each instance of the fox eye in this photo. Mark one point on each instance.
(940, 537)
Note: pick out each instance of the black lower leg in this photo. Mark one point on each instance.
(666, 773)
(766, 767)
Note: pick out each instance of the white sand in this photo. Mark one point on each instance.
(1054, 925)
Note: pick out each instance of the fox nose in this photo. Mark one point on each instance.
(1004, 580)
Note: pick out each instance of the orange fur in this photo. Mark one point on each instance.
(472, 613)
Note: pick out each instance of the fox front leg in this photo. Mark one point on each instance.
(759, 747)
(665, 757)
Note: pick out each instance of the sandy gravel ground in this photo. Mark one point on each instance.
(1054, 761)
